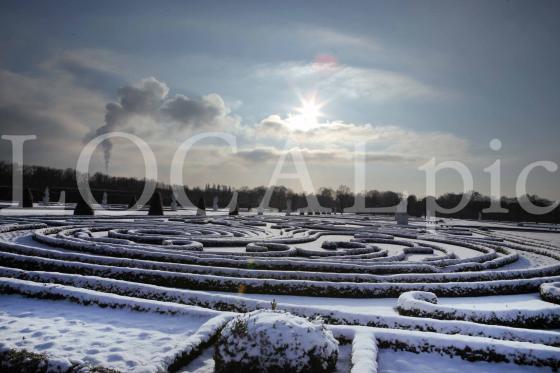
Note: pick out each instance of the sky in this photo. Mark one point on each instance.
(412, 80)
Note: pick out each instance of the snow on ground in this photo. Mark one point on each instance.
(461, 252)
(386, 306)
(535, 260)
(316, 245)
(499, 302)
(119, 339)
(15, 235)
(378, 306)
(407, 362)
(526, 260)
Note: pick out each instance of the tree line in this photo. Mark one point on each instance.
(121, 190)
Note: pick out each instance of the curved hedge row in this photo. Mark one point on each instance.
(424, 304)
(264, 286)
(550, 292)
(242, 304)
(464, 347)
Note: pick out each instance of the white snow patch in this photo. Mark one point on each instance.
(119, 339)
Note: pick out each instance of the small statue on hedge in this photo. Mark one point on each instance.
(82, 207)
(201, 208)
(27, 198)
(156, 207)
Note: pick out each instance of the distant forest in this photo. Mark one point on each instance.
(120, 190)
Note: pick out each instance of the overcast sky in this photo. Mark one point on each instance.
(415, 80)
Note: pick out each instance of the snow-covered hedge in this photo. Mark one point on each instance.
(18, 227)
(101, 299)
(241, 304)
(213, 237)
(288, 287)
(418, 250)
(364, 353)
(373, 235)
(204, 337)
(219, 270)
(551, 292)
(465, 347)
(270, 249)
(345, 262)
(274, 341)
(344, 249)
(424, 304)
(12, 360)
(527, 245)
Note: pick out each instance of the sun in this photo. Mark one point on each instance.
(308, 113)
(310, 110)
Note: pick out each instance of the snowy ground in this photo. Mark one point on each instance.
(386, 306)
(399, 361)
(118, 339)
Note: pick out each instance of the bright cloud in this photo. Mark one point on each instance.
(335, 80)
(391, 139)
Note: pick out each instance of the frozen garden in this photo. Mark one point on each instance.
(272, 293)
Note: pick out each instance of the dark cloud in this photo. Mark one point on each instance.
(274, 123)
(258, 155)
(372, 157)
(150, 98)
(21, 120)
(191, 111)
(144, 99)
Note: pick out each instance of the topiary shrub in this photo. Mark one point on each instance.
(82, 207)
(275, 341)
(27, 198)
(235, 210)
(201, 210)
(156, 207)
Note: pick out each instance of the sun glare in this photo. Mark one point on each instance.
(310, 110)
(308, 114)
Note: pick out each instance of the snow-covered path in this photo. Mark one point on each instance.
(399, 362)
(386, 306)
(119, 339)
